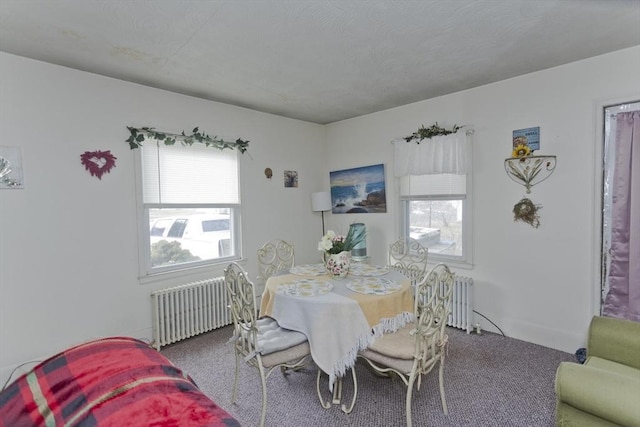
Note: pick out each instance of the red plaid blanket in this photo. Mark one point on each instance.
(108, 382)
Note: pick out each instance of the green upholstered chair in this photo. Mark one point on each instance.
(605, 390)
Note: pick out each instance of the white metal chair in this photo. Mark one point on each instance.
(409, 257)
(275, 255)
(417, 348)
(261, 343)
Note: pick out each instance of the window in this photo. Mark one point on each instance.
(435, 208)
(190, 206)
(435, 212)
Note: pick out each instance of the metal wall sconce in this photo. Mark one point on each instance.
(529, 170)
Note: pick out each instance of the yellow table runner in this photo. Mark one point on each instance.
(374, 307)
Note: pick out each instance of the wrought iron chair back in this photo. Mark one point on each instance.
(419, 347)
(241, 294)
(275, 255)
(261, 343)
(433, 300)
(409, 257)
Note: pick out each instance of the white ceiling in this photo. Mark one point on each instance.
(320, 61)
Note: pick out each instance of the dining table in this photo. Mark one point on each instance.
(339, 316)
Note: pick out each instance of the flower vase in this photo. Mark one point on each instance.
(338, 264)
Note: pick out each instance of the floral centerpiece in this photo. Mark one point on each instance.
(337, 249)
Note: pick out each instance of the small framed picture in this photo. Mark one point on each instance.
(290, 179)
(11, 168)
(529, 137)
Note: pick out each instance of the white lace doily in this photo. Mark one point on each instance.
(373, 285)
(309, 270)
(358, 269)
(305, 288)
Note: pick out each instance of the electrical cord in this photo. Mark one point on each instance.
(489, 320)
(145, 340)
(14, 371)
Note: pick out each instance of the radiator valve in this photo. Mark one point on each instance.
(478, 329)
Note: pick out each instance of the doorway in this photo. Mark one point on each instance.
(611, 235)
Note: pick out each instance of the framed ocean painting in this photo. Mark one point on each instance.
(358, 190)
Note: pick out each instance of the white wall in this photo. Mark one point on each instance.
(535, 284)
(68, 247)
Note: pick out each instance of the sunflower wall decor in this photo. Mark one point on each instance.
(528, 170)
(521, 150)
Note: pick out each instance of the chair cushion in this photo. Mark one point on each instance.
(608, 365)
(605, 393)
(272, 337)
(398, 345)
(405, 366)
(286, 356)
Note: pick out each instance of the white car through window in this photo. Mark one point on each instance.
(204, 236)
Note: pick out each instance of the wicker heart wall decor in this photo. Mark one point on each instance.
(98, 162)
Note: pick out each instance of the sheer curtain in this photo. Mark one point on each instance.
(623, 297)
(441, 154)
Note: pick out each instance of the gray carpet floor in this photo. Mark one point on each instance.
(490, 380)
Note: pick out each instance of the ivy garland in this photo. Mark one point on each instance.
(430, 132)
(138, 135)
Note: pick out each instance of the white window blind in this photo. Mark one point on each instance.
(435, 185)
(189, 174)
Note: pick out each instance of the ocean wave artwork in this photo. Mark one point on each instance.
(358, 190)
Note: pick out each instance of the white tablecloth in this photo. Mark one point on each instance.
(334, 321)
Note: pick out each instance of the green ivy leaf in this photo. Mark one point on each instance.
(137, 136)
(433, 130)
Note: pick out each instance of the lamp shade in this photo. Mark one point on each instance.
(321, 201)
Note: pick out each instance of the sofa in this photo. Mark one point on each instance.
(605, 390)
(109, 382)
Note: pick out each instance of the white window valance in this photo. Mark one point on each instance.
(442, 154)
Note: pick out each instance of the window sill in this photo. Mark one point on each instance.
(465, 265)
(188, 274)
